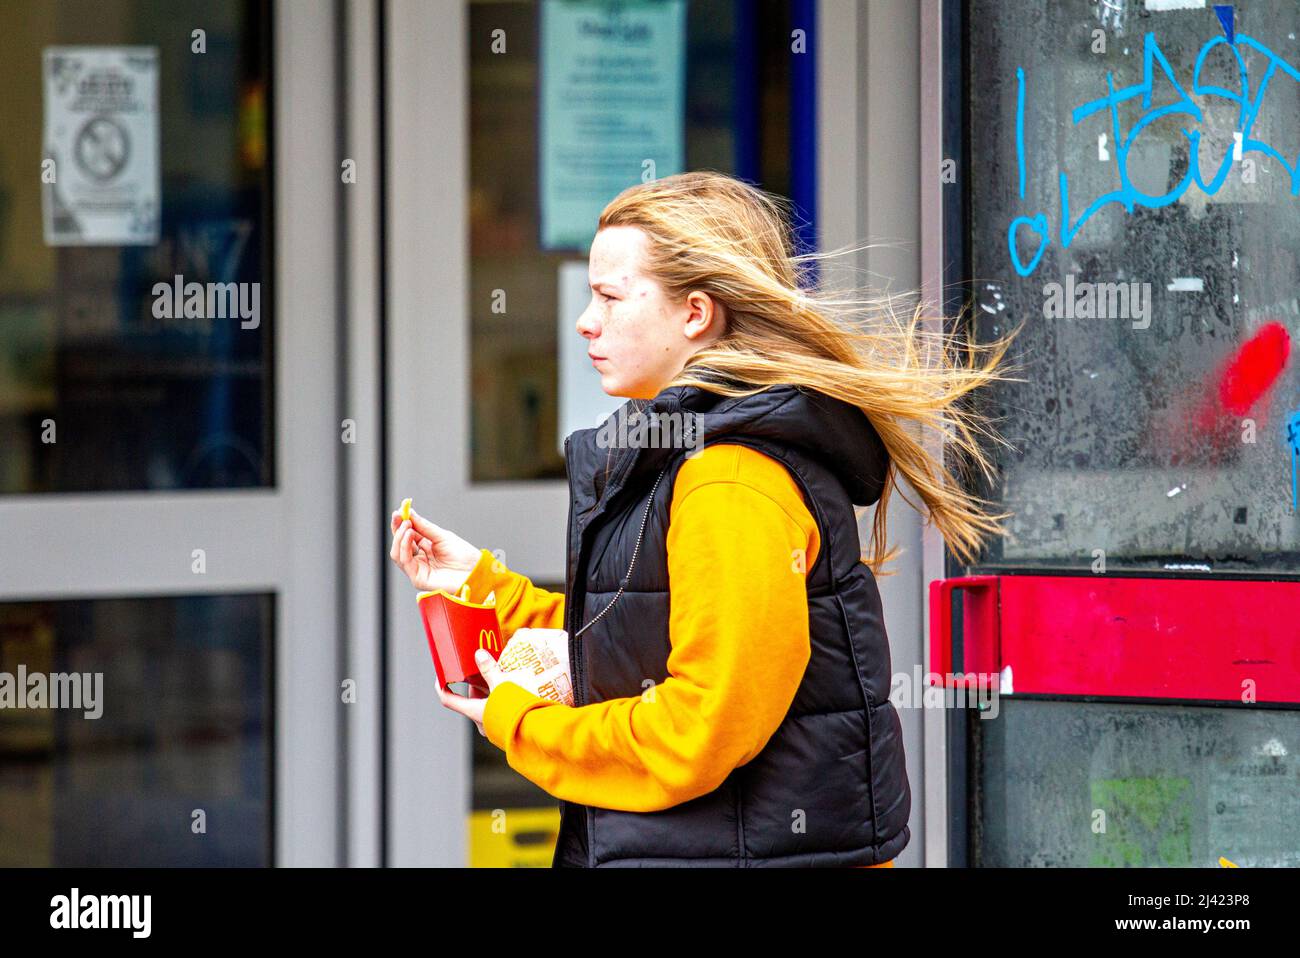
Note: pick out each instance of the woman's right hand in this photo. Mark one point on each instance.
(432, 557)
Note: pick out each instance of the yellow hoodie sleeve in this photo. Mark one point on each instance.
(739, 541)
(520, 604)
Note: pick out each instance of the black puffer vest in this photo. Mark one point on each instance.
(830, 787)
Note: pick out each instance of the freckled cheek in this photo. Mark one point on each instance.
(627, 338)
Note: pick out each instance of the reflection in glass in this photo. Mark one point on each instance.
(175, 770)
(1178, 787)
(97, 391)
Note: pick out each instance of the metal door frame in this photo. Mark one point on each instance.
(939, 813)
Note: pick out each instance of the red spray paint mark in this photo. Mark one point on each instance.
(1236, 386)
(1254, 369)
(1243, 380)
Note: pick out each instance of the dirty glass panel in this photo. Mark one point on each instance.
(135, 331)
(1098, 785)
(1149, 239)
(155, 749)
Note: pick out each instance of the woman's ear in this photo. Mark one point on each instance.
(706, 320)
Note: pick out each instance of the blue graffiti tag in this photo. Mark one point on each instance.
(1293, 441)
(1128, 195)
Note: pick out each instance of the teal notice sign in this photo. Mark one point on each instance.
(612, 104)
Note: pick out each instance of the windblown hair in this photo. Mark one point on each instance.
(716, 234)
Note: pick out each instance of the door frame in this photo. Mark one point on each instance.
(426, 383)
(936, 810)
(364, 531)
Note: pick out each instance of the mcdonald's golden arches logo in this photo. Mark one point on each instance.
(487, 639)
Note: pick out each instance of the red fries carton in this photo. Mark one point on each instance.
(456, 629)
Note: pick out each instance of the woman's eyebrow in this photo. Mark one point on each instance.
(606, 283)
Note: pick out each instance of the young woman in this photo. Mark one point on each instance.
(730, 664)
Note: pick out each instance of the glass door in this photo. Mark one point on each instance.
(168, 499)
(487, 271)
(1131, 200)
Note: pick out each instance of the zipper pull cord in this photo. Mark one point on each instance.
(635, 549)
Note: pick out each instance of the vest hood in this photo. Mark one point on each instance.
(836, 433)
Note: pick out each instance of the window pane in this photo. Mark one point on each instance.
(163, 759)
(104, 384)
(737, 120)
(1154, 422)
(1179, 787)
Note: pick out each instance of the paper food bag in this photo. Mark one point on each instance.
(538, 660)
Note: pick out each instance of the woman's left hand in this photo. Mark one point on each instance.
(472, 707)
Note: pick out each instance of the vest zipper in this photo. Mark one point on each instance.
(576, 656)
(635, 549)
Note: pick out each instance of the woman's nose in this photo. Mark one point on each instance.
(587, 325)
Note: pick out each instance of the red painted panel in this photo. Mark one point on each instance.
(1148, 637)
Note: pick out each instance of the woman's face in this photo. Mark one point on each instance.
(639, 340)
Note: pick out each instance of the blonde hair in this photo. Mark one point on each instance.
(714, 233)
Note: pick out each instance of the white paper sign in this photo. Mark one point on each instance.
(612, 100)
(583, 403)
(101, 134)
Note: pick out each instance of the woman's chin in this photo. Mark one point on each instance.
(612, 386)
